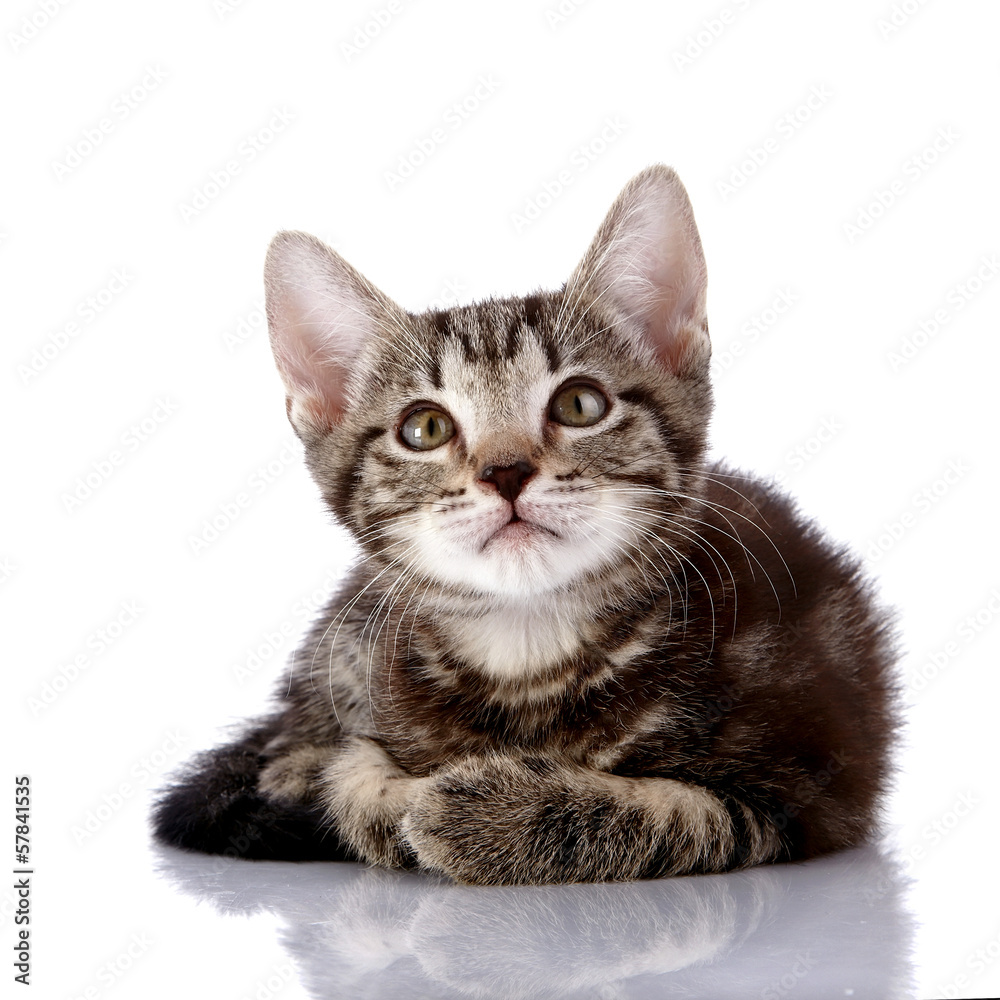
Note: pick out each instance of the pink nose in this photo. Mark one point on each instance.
(508, 479)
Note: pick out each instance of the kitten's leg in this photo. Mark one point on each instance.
(358, 789)
(291, 774)
(504, 821)
(365, 795)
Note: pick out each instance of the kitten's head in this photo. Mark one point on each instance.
(515, 446)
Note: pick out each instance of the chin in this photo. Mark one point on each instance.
(521, 560)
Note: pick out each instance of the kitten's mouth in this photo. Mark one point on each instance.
(518, 530)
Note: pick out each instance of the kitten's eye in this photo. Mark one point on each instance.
(425, 429)
(578, 406)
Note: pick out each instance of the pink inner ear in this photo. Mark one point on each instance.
(647, 260)
(316, 411)
(320, 312)
(303, 351)
(665, 295)
(671, 349)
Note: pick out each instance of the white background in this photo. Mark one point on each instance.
(464, 150)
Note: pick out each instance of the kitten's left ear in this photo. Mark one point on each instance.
(646, 261)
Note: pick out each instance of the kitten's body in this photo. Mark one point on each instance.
(573, 652)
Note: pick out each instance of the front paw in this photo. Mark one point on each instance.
(498, 821)
(365, 794)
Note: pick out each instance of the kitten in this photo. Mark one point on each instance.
(573, 651)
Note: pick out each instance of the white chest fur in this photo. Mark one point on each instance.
(516, 640)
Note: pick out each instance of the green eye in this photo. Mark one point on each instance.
(425, 429)
(578, 406)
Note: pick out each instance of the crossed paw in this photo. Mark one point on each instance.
(505, 821)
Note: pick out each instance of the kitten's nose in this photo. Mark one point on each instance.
(508, 479)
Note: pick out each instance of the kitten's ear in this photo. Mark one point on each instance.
(320, 312)
(646, 261)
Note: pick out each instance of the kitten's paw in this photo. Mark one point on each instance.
(493, 821)
(444, 823)
(366, 794)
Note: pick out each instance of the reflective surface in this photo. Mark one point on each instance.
(834, 927)
(855, 360)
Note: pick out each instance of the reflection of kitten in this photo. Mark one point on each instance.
(833, 928)
(573, 652)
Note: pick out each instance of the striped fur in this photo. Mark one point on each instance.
(634, 665)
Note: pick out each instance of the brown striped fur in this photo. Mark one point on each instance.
(657, 667)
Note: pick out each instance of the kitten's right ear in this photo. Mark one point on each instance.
(320, 312)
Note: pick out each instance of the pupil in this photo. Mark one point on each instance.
(578, 404)
(430, 427)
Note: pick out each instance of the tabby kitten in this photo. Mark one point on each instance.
(573, 651)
